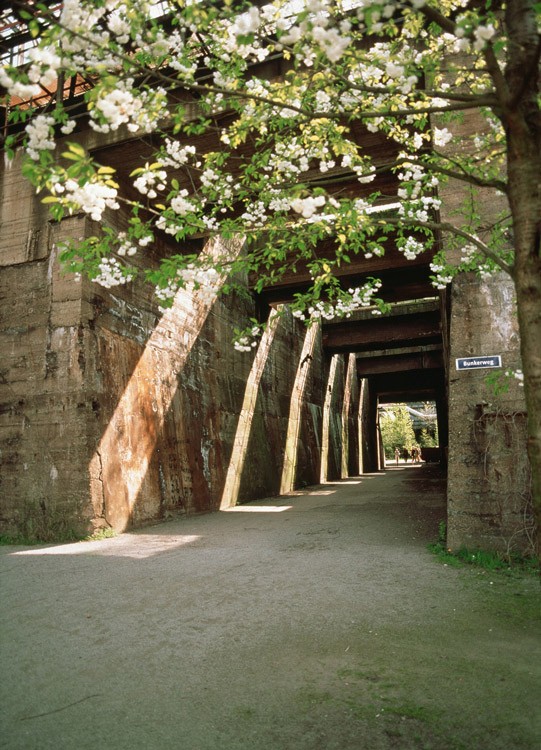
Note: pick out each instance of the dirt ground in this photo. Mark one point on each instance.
(316, 621)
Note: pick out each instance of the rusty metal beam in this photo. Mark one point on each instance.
(398, 285)
(399, 363)
(388, 333)
(358, 265)
(408, 385)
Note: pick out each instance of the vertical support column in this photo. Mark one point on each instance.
(381, 448)
(327, 419)
(374, 433)
(443, 425)
(346, 411)
(289, 469)
(363, 388)
(369, 439)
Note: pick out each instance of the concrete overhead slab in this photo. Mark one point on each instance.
(314, 620)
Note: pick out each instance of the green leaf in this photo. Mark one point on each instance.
(76, 149)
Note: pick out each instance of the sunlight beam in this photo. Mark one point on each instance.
(120, 463)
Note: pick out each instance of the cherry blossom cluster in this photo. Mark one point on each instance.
(150, 180)
(442, 274)
(317, 29)
(249, 341)
(442, 136)
(40, 136)
(44, 67)
(17, 87)
(111, 273)
(255, 215)
(486, 270)
(192, 278)
(92, 197)
(126, 246)
(468, 253)
(176, 155)
(180, 205)
(412, 248)
(344, 306)
(122, 105)
(307, 207)
(290, 158)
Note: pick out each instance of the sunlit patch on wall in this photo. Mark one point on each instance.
(120, 463)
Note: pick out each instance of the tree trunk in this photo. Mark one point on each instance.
(528, 288)
(522, 119)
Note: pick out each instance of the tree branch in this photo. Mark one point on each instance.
(464, 176)
(438, 226)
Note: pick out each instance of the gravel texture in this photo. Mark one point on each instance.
(303, 622)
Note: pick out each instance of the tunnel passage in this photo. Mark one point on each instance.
(399, 358)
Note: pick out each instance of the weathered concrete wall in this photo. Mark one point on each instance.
(353, 416)
(488, 473)
(115, 415)
(284, 446)
(45, 415)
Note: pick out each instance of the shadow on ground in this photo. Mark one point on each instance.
(303, 622)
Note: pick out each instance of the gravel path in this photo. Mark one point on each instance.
(306, 622)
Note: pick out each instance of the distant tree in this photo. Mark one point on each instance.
(396, 429)
(428, 439)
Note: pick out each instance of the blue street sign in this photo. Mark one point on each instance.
(477, 363)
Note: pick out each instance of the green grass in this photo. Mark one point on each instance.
(491, 561)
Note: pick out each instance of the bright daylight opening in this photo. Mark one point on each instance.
(409, 432)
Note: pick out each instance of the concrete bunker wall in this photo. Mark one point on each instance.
(116, 414)
(489, 485)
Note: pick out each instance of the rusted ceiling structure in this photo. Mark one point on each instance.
(401, 353)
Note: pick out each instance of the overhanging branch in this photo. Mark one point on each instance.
(438, 226)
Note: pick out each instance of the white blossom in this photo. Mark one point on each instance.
(442, 136)
(111, 274)
(40, 135)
